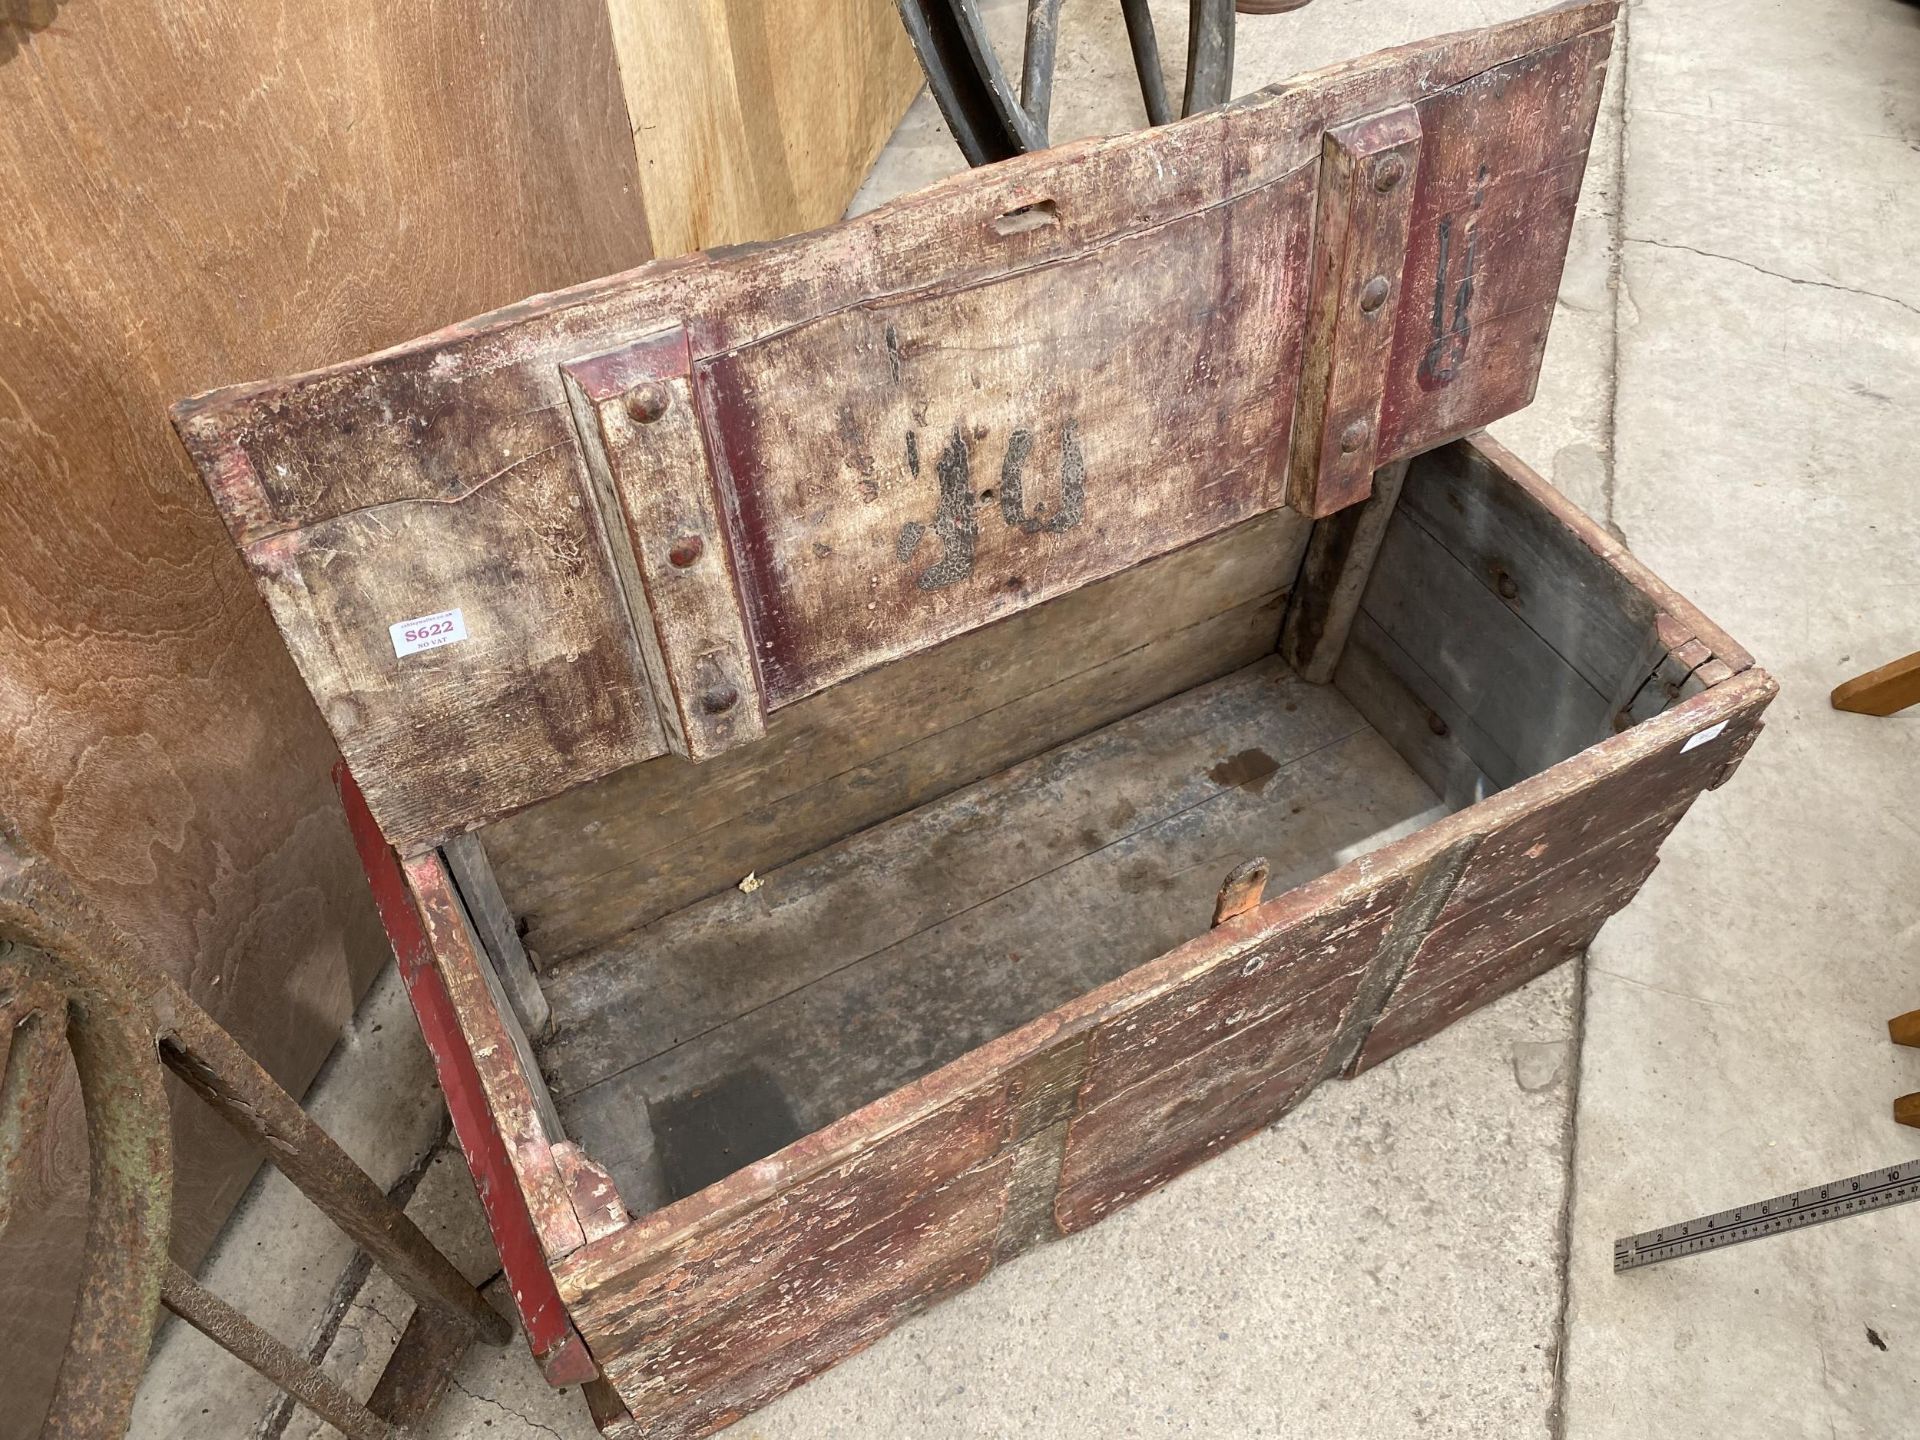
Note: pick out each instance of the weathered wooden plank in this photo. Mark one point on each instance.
(1318, 961)
(1368, 175)
(459, 1020)
(1468, 930)
(1590, 613)
(976, 455)
(1125, 794)
(1666, 778)
(1516, 691)
(612, 856)
(1489, 237)
(514, 1095)
(1161, 1097)
(889, 1305)
(1677, 618)
(1333, 576)
(1098, 190)
(634, 409)
(531, 677)
(444, 474)
(819, 1290)
(1566, 862)
(1043, 1092)
(1419, 1017)
(747, 1233)
(499, 935)
(855, 1034)
(1421, 721)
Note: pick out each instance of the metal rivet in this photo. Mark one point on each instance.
(1374, 293)
(719, 700)
(1436, 724)
(685, 551)
(1354, 436)
(1388, 173)
(1508, 587)
(646, 403)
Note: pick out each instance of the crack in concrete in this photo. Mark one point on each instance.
(1775, 274)
(1609, 478)
(1563, 1229)
(1663, 990)
(505, 1408)
(1617, 284)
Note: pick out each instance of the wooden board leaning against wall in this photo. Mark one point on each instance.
(196, 193)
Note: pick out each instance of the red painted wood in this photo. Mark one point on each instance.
(550, 1335)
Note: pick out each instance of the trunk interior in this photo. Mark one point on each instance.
(924, 858)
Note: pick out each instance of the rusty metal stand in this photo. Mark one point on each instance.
(67, 976)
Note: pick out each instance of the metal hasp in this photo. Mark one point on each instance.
(990, 121)
(69, 979)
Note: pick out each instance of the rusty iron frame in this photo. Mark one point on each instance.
(71, 980)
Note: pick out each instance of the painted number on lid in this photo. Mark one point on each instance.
(429, 632)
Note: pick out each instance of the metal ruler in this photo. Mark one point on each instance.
(1875, 1190)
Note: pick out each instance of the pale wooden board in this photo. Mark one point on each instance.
(757, 118)
(601, 860)
(649, 840)
(875, 961)
(193, 193)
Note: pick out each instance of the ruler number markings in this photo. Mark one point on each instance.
(1874, 1190)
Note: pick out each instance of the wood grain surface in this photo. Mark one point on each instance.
(612, 857)
(1054, 1124)
(932, 416)
(1165, 1065)
(191, 194)
(756, 118)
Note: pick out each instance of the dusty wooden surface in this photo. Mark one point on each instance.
(756, 118)
(1166, 1064)
(588, 865)
(191, 194)
(860, 968)
(1051, 1126)
(933, 416)
(1502, 631)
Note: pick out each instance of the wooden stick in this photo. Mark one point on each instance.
(1886, 691)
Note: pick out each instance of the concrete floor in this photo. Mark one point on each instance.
(1734, 385)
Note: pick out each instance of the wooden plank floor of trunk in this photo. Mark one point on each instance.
(857, 969)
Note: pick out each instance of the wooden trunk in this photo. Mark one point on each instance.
(802, 703)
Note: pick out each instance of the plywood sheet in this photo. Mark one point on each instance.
(757, 118)
(191, 194)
